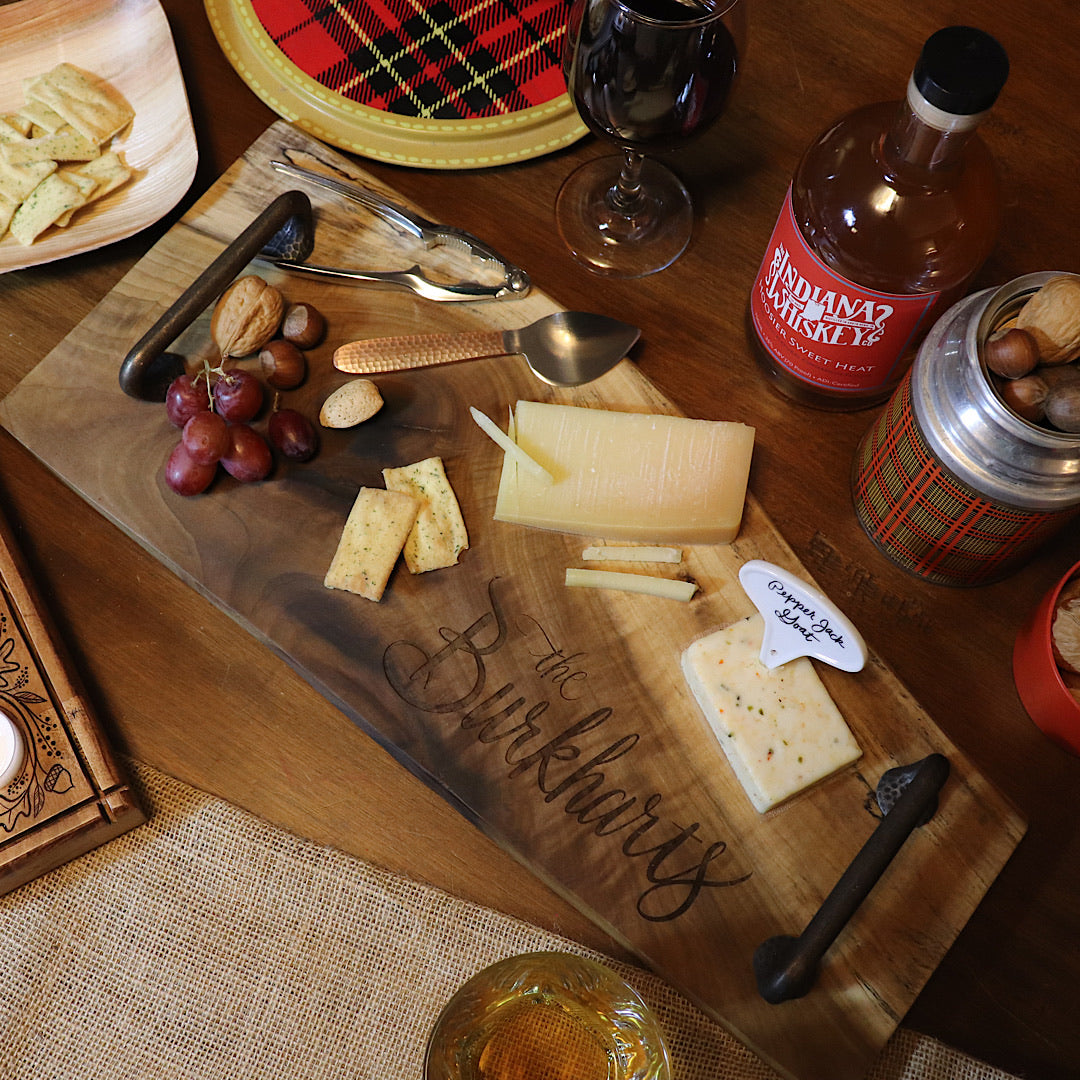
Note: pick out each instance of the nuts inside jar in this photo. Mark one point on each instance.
(1033, 362)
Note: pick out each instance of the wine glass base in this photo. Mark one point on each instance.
(612, 243)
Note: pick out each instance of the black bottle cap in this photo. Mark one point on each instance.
(961, 70)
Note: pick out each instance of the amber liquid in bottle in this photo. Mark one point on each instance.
(895, 205)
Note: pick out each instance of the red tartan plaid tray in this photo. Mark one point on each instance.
(438, 84)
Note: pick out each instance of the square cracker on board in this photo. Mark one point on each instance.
(439, 536)
(371, 541)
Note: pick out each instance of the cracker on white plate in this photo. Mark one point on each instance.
(86, 186)
(61, 134)
(50, 200)
(35, 114)
(10, 131)
(96, 178)
(87, 104)
(438, 536)
(18, 123)
(17, 181)
(67, 144)
(109, 171)
(7, 211)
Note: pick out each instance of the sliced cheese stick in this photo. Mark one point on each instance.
(626, 553)
(514, 455)
(667, 588)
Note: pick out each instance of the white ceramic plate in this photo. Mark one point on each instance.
(128, 44)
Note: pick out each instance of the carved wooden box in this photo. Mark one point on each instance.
(61, 791)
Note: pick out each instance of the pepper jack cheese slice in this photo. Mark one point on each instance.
(632, 476)
(780, 729)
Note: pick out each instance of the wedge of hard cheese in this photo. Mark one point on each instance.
(780, 729)
(665, 479)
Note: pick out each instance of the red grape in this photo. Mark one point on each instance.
(186, 476)
(185, 397)
(206, 438)
(238, 396)
(292, 433)
(248, 458)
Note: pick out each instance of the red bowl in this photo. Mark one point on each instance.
(1038, 679)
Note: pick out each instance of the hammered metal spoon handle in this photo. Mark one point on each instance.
(417, 351)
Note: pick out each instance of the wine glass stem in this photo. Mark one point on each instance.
(625, 196)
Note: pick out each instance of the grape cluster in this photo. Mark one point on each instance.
(216, 429)
(215, 416)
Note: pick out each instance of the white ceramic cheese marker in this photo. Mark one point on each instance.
(800, 620)
(12, 750)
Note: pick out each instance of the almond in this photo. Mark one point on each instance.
(246, 317)
(351, 404)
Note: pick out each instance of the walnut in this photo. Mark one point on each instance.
(1052, 318)
(246, 317)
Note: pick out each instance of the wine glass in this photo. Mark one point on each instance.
(647, 75)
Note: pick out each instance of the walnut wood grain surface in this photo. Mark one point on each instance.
(554, 719)
(180, 685)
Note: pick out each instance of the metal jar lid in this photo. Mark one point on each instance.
(974, 434)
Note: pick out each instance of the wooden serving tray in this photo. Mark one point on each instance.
(557, 720)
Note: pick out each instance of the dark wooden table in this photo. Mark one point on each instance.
(183, 688)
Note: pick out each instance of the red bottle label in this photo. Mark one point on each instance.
(824, 329)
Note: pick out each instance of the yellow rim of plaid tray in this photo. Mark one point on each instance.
(372, 133)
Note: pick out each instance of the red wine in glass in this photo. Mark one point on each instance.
(646, 75)
(651, 84)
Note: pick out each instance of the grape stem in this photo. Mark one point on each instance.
(206, 372)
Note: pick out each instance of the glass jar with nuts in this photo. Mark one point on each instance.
(976, 458)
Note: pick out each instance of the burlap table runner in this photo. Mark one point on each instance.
(208, 944)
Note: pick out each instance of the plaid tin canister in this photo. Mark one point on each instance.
(928, 520)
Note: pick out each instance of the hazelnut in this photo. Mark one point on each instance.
(1026, 397)
(246, 317)
(1011, 354)
(1063, 406)
(304, 326)
(1052, 317)
(283, 364)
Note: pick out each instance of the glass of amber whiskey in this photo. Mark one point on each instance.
(546, 1016)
